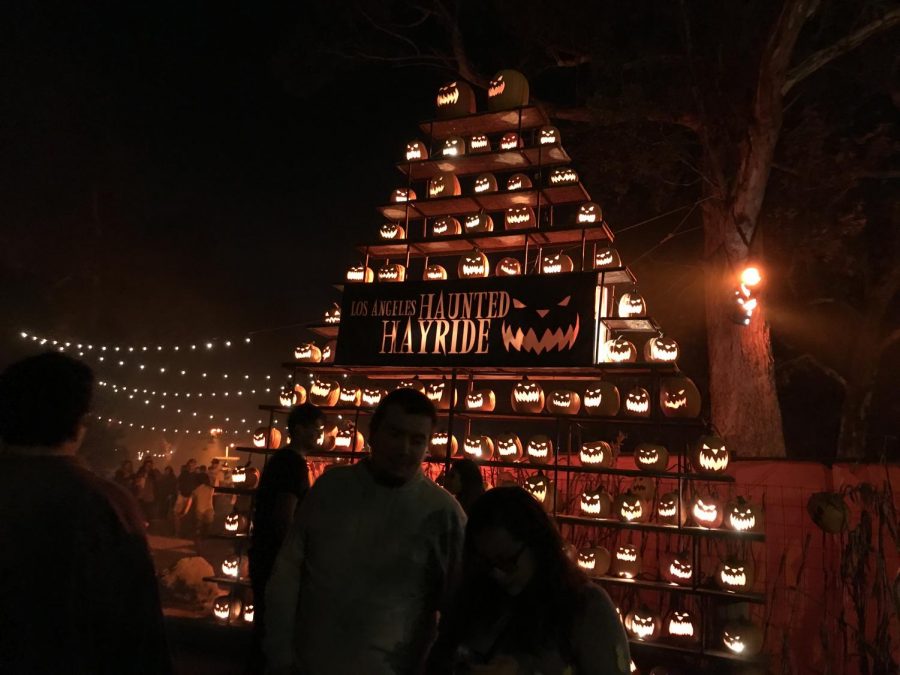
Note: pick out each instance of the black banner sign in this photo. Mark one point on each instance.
(542, 320)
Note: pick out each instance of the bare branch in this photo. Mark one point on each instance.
(825, 56)
(386, 31)
(809, 359)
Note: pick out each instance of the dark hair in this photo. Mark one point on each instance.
(470, 480)
(545, 610)
(304, 415)
(203, 479)
(411, 401)
(43, 399)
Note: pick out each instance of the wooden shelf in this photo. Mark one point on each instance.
(757, 598)
(229, 581)
(525, 117)
(259, 451)
(568, 374)
(520, 159)
(655, 527)
(663, 645)
(633, 324)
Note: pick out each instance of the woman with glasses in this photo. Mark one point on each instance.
(524, 607)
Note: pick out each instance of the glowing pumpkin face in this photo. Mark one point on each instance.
(348, 439)
(332, 316)
(680, 625)
(539, 449)
(440, 394)
(519, 218)
(401, 195)
(642, 624)
(677, 568)
(651, 457)
(597, 453)
(248, 613)
(453, 146)
(743, 638)
(473, 265)
(620, 350)
(506, 90)
(350, 396)
(478, 447)
(593, 561)
(391, 231)
(391, 273)
(226, 608)
(415, 151)
(414, 383)
(287, 398)
(324, 393)
(630, 508)
(589, 213)
(327, 436)
(679, 397)
(235, 522)
(626, 562)
(328, 352)
(637, 403)
(248, 476)
(434, 272)
(565, 176)
(371, 397)
(445, 184)
(509, 267)
(743, 516)
(734, 575)
(307, 353)
(548, 136)
(540, 329)
(707, 512)
(455, 99)
(539, 487)
(481, 399)
(479, 143)
(485, 182)
(563, 402)
(360, 274)
(263, 434)
(601, 398)
(556, 263)
(632, 304)
(710, 455)
(441, 443)
(527, 397)
(596, 503)
(445, 226)
(508, 447)
(661, 350)
(670, 509)
(605, 258)
(518, 181)
(510, 141)
(478, 222)
(231, 567)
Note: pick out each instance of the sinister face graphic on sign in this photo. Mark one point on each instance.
(541, 329)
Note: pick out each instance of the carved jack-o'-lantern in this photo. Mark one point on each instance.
(478, 222)
(324, 393)
(455, 99)
(445, 226)
(445, 184)
(508, 267)
(593, 561)
(651, 457)
(371, 396)
(235, 522)
(350, 396)
(637, 403)
(597, 453)
(326, 436)
(518, 181)
(626, 562)
(288, 397)
(332, 316)
(642, 624)
(620, 350)
(508, 447)
(248, 613)
(632, 304)
(596, 502)
(707, 511)
(540, 487)
(527, 397)
(589, 213)
(601, 398)
(415, 151)
(734, 575)
(485, 182)
(481, 399)
(262, 434)
(563, 176)
(247, 476)
(677, 568)
(473, 265)
(401, 195)
(563, 402)
(547, 327)
(742, 638)
(226, 608)
(478, 447)
(308, 353)
(414, 383)
(605, 258)
(743, 516)
(539, 449)
(441, 393)
(679, 397)
(453, 146)
(507, 89)
(349, 439)
(661, 350)
(233, 568)
(556, 263)
(434, 272)
(479, 143)
(548, 135)
(510, 141)
(441, 443)
(680, 625)
(644, 487)
(631, 508)
(360, 274)
(710, 455)
(391, 272)
(671, 509)
(519, 218)
(328, 352)
(392, 231)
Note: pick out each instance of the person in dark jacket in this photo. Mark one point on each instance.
(77, 583)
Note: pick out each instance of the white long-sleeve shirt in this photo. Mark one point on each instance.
(361, 575)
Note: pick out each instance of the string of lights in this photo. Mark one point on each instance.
(82, 346)
(137, 392)
(214, 431)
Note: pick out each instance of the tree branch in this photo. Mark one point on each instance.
(809, 359)
(825, 56)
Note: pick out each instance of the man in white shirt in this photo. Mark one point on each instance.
(371, 557)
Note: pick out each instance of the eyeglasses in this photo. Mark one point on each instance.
(508, 564)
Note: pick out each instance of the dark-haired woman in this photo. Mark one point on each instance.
(524, 607)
